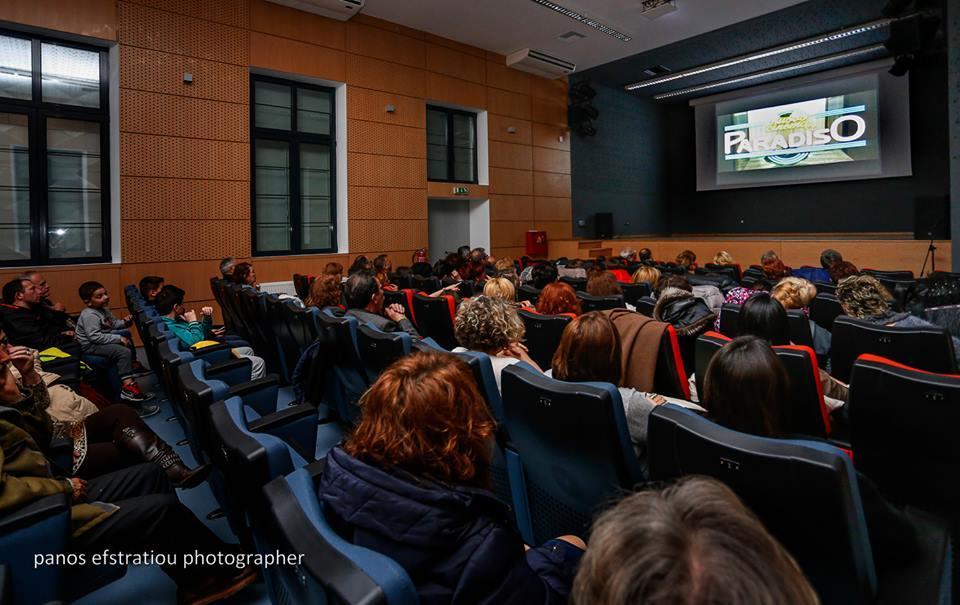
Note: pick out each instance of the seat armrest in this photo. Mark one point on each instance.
(296, 425)
(317, 467)
(60, 453)
(260, 394)
(233, 371)
(37, 510)
(213, 353)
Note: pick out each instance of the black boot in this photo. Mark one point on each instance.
(145, 444)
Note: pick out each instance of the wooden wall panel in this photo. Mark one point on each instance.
(498, 129)
(387, 46)
(549, 111)
(505, 78)
(511, 208)
(552, 208)
(473, 51)
(509, 233)
(387, 203)
(387, 235)
(150, 241)
(386, 171)
(375, 74)
(227, 12)
(154, 71)
(550, 184)
(449, 62)
(549, 135)
(445, 89)
(287, 22)
(153, 113)
(509, 181)
(510, 155)
(291, 56)
(146, 27)
(370, 105)
(508, 103)
(95, 18)
(161, 156)
(386, 139)
(555, 229)
(551, 160)
(172, 199)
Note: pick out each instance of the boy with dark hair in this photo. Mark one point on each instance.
(96, 333)
(189, 330)
(150, 286)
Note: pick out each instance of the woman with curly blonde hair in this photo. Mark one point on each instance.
(492, 326)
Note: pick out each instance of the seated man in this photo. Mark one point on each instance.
(130, 510)
(365, 302)
(43, 288)
(190, 331)
(226, 268)
(26, 321)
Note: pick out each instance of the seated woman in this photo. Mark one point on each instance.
(762, 316)
(687, 259)
(492, 326)
(244, 275)
(723, 257)
(590, 351)
(692, 542)
(411, 482)
(325, 291)
(103, 441)
(797, 293)
(502, 288)
(361, 263)
(557, 298)
(129, 510)
(381, 268)
(744, 390)
(648, 274)
(841, 270)
(864, 297)
(773, 267)
(677, 306)
(335, 269)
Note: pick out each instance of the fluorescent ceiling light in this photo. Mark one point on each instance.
(763, 54)
(770, 72)
(585, 20)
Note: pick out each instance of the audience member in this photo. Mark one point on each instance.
(692, 542)
(723, 258)
(773, 267)
(150, 287)
(648, 274)
(492, 326)
(677, 306)
(603, 284)
(189, 330)
(629, 255)
(420, 263)
(842, 269)
(829, 258)
(25, 321)
(411, 482)
(364, 298)
(505, 267)
(103, 441)
(361, 263)
(382, 267)
(762, 316)
(463, 252)
(335, 269)
(227, 266)
(543, 274)
(745, 388)
(500, 287)
(244, 274)
(590, 351)
(864, 297)
(687, 259)
(796, 293)
(645, 255)
(558, 298)
(129, 510)
(43, 289)
(325, 291)
(97, 333)
(448, 269)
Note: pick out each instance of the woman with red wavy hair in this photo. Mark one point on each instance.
(557, 298)
(411, 483)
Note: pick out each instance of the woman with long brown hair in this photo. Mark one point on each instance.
(411, 483)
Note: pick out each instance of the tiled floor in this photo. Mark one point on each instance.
(148, 585)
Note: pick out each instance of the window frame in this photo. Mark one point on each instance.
(38, 112)
(451, 112)
(294, 139)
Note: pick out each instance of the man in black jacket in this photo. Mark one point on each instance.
(27, 322)
(365, 302)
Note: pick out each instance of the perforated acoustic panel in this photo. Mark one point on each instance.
(148, 198)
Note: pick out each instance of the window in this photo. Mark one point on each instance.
(451, 145)
(54, 144)
(294, 205)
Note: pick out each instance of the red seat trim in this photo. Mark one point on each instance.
(678, 361)
(452, 306)
(815, 367)
(870, 357)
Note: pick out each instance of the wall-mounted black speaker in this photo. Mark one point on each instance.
(931, 217)
(603, 225)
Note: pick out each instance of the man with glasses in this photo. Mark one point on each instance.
(25, 320)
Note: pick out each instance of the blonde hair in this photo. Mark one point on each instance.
(648, 274)
(500, 287)
(723, 258)
(794, 292)
(488, 324)
(863, 296)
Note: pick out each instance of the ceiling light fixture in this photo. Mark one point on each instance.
(771, 72)
(585, 20)
(763, 54)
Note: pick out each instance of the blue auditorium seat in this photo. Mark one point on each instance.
(349, 379)
(379, 349)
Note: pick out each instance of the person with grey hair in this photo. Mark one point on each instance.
(492, 326)
(226, 267)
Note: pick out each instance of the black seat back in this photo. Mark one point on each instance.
(799, 325)
(380, 349)
(632, 293)
(825, 287)
(804, 492)
(645, 305)
(891, 403)
(824, 309)
(435, 317)
(530, 293)
(425, 284)
(577, 283)
(925, 348)
(600, 303)
(730, 320)
(543, 334)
